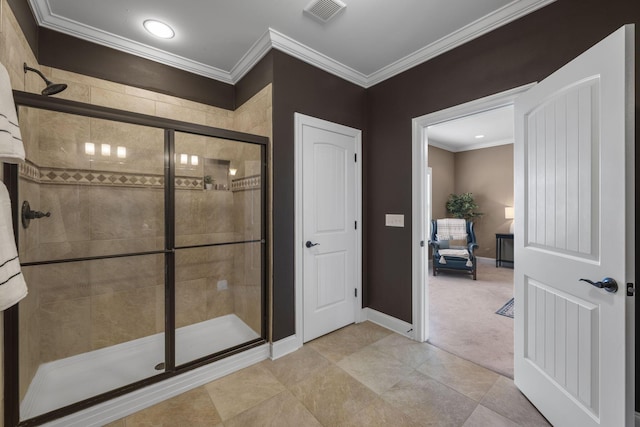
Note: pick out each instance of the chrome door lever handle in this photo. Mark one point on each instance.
(310, 245)
(608, 284)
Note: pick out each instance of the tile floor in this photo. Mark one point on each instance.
(361, 375)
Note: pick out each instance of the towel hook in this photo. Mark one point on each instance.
(28, 214)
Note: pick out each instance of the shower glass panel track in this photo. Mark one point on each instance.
(140, 271)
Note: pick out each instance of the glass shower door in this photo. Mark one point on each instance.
(93, 320)
(219, 245)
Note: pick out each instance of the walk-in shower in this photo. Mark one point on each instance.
(140, 272)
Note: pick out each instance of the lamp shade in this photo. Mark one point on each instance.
(508, 212)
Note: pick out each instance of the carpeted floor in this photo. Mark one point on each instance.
(463, 319)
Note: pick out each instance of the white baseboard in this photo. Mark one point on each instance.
(396, 325)
(137, 400)
(285, 346)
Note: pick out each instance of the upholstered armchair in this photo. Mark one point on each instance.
(453, 241)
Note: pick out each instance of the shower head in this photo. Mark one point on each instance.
(52, 88)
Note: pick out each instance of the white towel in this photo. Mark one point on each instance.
(11, 147)
(12, 285)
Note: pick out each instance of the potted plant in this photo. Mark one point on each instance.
(463, 206)
(208, 182)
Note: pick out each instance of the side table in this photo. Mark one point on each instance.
(500, 238)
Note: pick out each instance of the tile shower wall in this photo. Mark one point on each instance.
(216, 216)
(36, 310)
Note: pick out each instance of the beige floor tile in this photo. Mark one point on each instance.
(193, 408)
(376, 370)
(242, 390)
(379, 414)
(297, 366)
(505, 399)
(428, 402)
(461, 375)
(282, 410)
(406, 350)
(332, 395)
(118, 423)
(348, 340)
(484, 417)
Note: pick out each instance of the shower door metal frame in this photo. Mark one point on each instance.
(11, 315)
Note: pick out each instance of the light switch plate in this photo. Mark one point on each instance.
(394, 220)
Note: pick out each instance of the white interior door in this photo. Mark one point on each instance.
(574, 209)
(329, 259)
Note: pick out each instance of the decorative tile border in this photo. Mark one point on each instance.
(189, 183)
(29, 171)
(44, 175)
(247, 183)
(85, 177)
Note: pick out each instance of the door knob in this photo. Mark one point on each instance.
(310, 245)
(608, 284)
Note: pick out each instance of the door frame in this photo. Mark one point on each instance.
(420, 161)
(300, 120)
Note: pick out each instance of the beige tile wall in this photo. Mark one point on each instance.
(76, 293)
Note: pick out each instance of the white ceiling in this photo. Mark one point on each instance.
(366, 43)
(460, 134)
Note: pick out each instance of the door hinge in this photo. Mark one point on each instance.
(356, 292)
(356, 225)
(355, 157)
(630, 290)
(422, 243)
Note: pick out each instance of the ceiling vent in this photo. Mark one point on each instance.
(324, 10)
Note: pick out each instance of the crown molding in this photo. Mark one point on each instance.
(306, 54)
(259, 49)
(273, 39)
(510, 12)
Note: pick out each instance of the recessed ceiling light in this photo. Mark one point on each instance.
(479, 136)
(159, 29)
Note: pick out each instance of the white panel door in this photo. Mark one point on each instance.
(329, 233)
(574, 209)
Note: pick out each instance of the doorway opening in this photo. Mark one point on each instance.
(432, 149)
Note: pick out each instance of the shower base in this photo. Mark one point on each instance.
(66, 381)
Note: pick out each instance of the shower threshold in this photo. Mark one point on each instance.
(66, 381)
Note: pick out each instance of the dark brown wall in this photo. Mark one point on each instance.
(255, 80)
(299, 87)
(72, 54)
(524, 51)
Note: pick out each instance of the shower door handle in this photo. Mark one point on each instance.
(310, 245)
